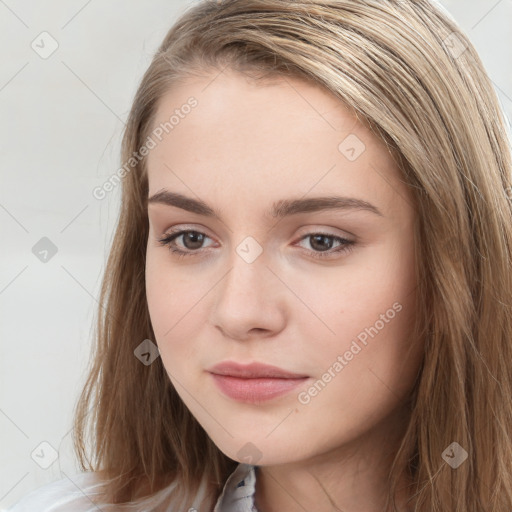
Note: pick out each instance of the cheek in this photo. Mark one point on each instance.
(161, 295)
(363, 311)
(175, 303)
(367, 285)
(163, 287)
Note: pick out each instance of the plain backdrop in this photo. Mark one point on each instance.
(62, 117)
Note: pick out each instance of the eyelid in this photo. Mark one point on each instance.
(186, 227)
(327, 230)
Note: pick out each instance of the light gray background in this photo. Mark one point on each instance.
(62, 120)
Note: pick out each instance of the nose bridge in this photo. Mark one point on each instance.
(249, 275)
(247, 298)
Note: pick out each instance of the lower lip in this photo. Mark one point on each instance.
(255, 390)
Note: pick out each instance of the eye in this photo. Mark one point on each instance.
(192, 240)
(323, 242)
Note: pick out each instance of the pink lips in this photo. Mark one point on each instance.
(255, 382)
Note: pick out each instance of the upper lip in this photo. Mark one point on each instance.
(253, 371)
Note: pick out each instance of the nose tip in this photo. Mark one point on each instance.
(248, 301)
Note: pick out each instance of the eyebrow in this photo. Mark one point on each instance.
(280, 209)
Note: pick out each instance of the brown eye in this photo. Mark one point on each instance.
(191, 242)
(322, 243)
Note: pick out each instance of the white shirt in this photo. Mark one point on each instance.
(77, 494)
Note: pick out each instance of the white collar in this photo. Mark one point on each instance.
(238, 492)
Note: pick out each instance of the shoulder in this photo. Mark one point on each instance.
(74, 493)
(83, 492)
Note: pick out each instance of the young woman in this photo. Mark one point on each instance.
(308, 300)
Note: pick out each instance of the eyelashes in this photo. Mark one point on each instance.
(169, 239)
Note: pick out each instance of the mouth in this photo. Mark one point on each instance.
(254, 383)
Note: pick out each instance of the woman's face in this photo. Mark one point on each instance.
(283, 265)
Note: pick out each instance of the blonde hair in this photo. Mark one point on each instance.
(406, 70)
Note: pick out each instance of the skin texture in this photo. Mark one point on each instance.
(244, 146)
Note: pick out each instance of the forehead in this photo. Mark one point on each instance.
(284, 137)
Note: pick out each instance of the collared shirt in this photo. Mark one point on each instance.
(238, 492)
(76, 494)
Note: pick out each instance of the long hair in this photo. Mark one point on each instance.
(405, 69)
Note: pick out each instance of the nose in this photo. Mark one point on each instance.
(250, 300)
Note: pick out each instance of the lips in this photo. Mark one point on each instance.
(253, 371)
(255, 382)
